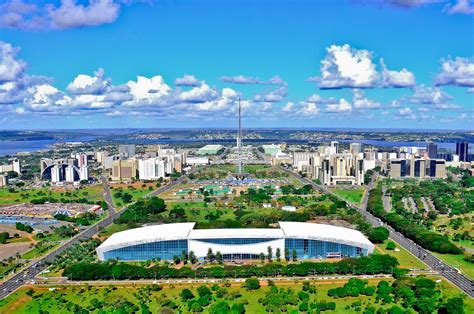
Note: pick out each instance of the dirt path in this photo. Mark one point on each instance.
(19, 302)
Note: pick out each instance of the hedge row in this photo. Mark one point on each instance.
(373, 264)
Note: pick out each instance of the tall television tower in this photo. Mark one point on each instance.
(239, 142)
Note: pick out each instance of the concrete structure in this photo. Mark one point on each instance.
(356, 148)
(14, 166)
(3, 180)
(151, 169)
(417, 168)
(124, 170)
(462, 149)
(197, 160)
(289, 208)
(210, 150)
(432, 150)
(126, 151)
(309, 241)
(100, 156)
(337, 169)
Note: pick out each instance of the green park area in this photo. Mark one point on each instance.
(350, 195)
(123, 194)
(87, 194)
(339, 296)
(405, 258)
(445, 229)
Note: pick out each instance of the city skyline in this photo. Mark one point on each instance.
(131, 64)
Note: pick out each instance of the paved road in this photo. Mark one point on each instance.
(107, 195)
(432, 261)
(29, 273)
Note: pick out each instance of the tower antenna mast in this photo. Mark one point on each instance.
(239, 142)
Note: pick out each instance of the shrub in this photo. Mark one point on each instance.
(252, 284)
(391, 246)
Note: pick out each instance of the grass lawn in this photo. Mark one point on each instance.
(56, 301)
(107, 232)
(457, 262)
(136, 190)
(353, 196)
(405, 258)
(92, 193)
(39, 251)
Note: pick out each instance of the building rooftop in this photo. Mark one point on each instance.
(236, 233)
(324, 233)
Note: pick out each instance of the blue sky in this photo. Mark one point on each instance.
(297, 63)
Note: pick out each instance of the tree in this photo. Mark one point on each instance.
(262, 257)
(287, 254)
(192, 257)
(184, 256)
(295, 255)
(278, 254)
(210, 255)
(378, 234)
(252, 284)
(176, 259)
(453, 306)
(186, 294)
(391, 246)
(270, 253)
(203, 291)
(218, 257)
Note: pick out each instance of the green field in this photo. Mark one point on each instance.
(137, 191)
(110, 299)
(92, 193)
(405, 258)
(353, 195)
(39, 251)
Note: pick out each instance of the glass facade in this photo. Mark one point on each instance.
(236, 241)
(321, 249)
(164, 250)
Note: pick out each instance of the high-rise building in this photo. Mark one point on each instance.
(417, 168)
(69, 174)
(56, 174)
(432, 150)
(124, 169)
(356, 148)
(462, 151)
(126, 151)
(151, 169)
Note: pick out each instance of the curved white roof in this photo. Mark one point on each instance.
(185, 231)
(264, 233)
(155, 233)
(321, 232)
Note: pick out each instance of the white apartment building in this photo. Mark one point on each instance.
(151, 168)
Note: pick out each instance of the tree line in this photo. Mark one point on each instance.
(373, 264)
(429, 240)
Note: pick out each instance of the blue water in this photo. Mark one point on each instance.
(13, 147)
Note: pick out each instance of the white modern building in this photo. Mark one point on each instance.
(306, 240)
(151, 169)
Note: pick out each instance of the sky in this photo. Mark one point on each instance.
(292, 63)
